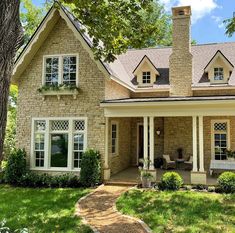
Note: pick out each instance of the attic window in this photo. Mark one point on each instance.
(218, 74)
(181, 12)
(146, 77)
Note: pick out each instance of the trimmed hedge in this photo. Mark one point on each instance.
(170, 181)
(90, 174)
(226, 182)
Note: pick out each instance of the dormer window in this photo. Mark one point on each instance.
(218, 74)
(146, 77)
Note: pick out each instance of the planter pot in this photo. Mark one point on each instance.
(146, 182)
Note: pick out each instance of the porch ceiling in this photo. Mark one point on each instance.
(170, 106)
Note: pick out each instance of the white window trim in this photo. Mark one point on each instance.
(150, 81)
(60, 70)
(47, 144)
(213, 132)
(117, 140)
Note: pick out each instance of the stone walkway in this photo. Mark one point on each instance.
(98, 210)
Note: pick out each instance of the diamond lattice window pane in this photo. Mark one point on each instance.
(40, 125)
(220, 126)
(79, 125)
(60, 125)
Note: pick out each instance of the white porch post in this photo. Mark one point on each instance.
(201, 146)
(145, 140)
(151, 142)
(106, 154)
(195, 169)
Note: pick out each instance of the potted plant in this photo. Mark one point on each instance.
(146, 178)
(230, 155)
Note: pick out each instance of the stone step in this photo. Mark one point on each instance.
(121, 183)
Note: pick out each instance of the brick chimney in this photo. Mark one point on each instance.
(181, 57)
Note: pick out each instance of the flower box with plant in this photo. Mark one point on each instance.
(146, 178)
(59, 90)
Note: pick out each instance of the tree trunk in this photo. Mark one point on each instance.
(11, 38)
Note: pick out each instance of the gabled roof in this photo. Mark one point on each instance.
(42, 32)
(215, 57)
(149, 62)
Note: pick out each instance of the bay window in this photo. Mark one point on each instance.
(58, 144)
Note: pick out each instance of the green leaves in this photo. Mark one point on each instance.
(230, 26)
(116, 25)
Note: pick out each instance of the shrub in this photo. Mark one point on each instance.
(90, 168)
(171, 181)
(15, 166)
(31, 179)
(226, 182)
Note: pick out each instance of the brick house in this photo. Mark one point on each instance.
(148, 103)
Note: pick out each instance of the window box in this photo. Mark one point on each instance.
(59, 93)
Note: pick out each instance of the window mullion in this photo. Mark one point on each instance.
(47, 147)
(70, 145)
(60, 70)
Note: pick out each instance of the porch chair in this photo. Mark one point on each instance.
(189, 163)
(168, 163)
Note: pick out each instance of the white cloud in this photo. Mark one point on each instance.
(218, 20)
(200, 8)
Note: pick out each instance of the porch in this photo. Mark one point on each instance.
(132, 175)
(163, 126)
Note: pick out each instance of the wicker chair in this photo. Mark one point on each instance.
(168, 163)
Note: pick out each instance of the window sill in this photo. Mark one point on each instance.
(60, 93)
(145, 85)
(54, 169)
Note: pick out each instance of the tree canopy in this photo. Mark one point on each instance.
(230, 26)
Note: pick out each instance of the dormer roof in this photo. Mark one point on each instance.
(217, 55)
(144, 60)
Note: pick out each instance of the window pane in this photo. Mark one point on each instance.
(69, 70)
(59, 150)
(52, 71)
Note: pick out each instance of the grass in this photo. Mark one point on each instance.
(41, 210)
(182, 211)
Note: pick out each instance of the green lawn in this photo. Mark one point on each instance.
(181, 211)
(41, 210)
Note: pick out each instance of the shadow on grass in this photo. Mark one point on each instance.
(41, 210)
(181, 211)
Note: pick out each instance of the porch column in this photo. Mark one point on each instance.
(106, 153)
(145, 140)
(151, 142)
(201, 146)
(195, 169)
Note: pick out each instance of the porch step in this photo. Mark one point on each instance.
(120, 183)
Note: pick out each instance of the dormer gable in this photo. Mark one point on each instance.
(219, 69)
(145, 72)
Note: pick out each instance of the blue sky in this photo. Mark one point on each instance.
(207, 18)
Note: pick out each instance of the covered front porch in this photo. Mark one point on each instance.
(132, 175)
(165, 126)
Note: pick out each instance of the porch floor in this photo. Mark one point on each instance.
(131, 175)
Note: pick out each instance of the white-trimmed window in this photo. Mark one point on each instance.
(58, 144)
(146, 77)
(218, 74)
(114, 137)
(220, 139)
(60, 69)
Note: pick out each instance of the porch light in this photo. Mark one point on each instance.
(158, 131)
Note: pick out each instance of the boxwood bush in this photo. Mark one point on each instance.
(170, 181)
(226, 182)
(15, 167)
(90, 174)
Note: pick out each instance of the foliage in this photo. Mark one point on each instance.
(184, 211)
(9, 143)
(230, 26)
(230, 153)
(42, 210)
(146, 174)
(57, 87)
(90, 174)
(116, 25)
(32, 179)
(15, 167)
(226, 182)
(171, 181)
(5, 229)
